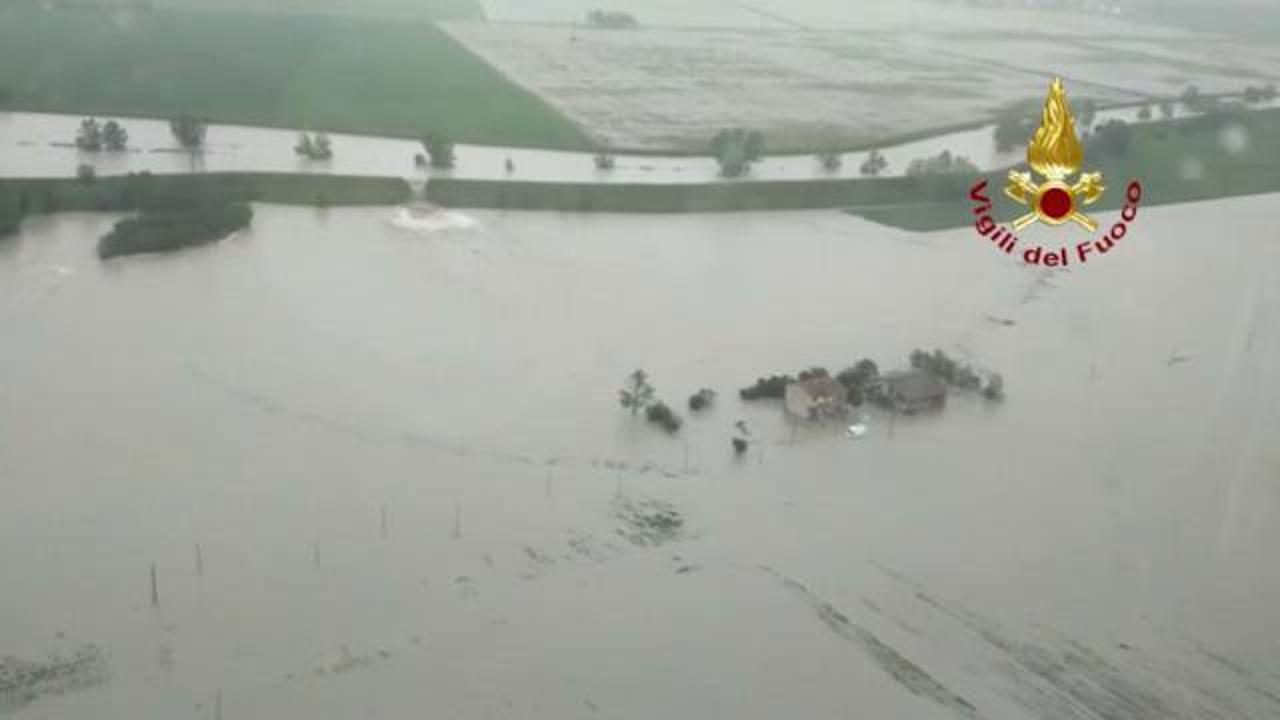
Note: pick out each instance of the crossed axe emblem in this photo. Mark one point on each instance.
(1054, 202)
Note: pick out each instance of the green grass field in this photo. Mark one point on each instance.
(332, 72)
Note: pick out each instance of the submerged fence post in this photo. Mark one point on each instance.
(457, 521)
(199, 561)
(155, 590)
(384, 522)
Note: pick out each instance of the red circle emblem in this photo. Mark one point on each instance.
(1056, 203)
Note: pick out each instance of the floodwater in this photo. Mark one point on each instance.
(42, 145)
(396, 444)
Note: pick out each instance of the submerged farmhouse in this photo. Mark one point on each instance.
(911, 391)
(817, 399)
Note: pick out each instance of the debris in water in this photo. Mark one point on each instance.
(858, 429)
(648, 521)
(345, 662)
(23, 682)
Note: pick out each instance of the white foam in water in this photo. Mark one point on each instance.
(432, 221)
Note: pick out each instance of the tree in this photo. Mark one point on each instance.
(1166, 109)
(1252, 95)
(314, 148)
(115, 137)
(831, 160)
(604, 161)
(440, 149)
(637, 393)
(304, 146)
(189, 131)
(662, 415)
(859, 375)
(1144, 112)
(89, 137)
(1268, 93)
(736, 149)
(702, 399)
(1191, 98)
(874, 164)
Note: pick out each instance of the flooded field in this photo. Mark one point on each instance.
(378, 465)
(807, 84)
(40, 145)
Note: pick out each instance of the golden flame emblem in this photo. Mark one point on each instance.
(1055, 153)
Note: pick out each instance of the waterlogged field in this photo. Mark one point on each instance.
(377, 461)
(811, 88)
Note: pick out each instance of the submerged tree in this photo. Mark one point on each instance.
(189, 131)
(736, 149)
(874, 164)
(115, 137)
(831, 160)
(89, 137)
(662, 415)
(440, 149)
(604, 161)
(637, 393)
(318, 147)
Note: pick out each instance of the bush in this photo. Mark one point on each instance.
(702, 399)
(604, 161)
(773, 387)
(662, 415)
(739, 446)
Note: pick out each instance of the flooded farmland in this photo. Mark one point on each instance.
(378, 466)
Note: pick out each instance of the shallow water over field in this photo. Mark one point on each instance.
(42, 145)
(396, 441)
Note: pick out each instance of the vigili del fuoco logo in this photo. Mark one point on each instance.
(1055, 155)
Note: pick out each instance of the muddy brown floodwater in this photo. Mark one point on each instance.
(397, 447)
